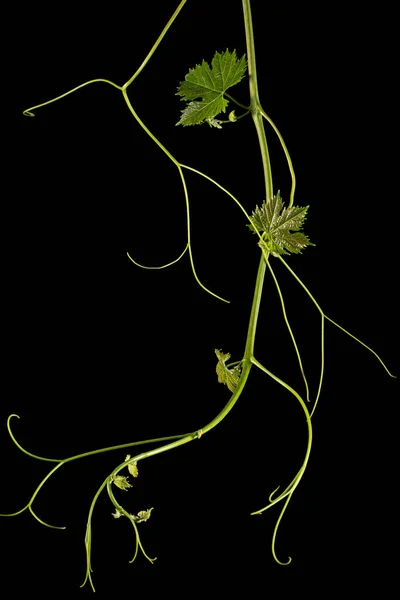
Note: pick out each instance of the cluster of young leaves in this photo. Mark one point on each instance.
(122, 482)
(275, 223)
(209, 84)
(227, 376)
(141, 517)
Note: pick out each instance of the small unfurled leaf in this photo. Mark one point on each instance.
(117, 514)
(229, 377)
(121, 482)
(143, 515)
(133, 469)
(232, 116)
(209, 84)
(275, 223)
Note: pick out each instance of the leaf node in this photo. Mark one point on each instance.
(275, 223)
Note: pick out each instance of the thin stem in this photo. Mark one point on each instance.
(123, 88)
(290, 330)
(162, 266)
(35, 493)
(331, 320)
(265, 254)
(66, 460)
(290, 489)
(278, 522)
(247, 108)
(88, 537)
(189, 238)
(289, 160)
(126, 514)
(57, 460)
(92, 452)
(178, 166)
(146, 129)
(28, 112)
(156, 44)
(221, 188)
(321, 377)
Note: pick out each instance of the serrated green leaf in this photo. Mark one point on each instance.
(143, 515)
(133, 469)
(209, 84)
(275, 223)
(121, 482)
(228, 377)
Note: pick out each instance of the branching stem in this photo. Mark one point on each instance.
(248, 359)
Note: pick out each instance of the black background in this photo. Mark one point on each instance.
(98, 352)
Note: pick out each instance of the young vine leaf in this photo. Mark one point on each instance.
(143, 515)
(121, 482)
(210, 84)
(275, 223)
(229, 377)
(133, 469)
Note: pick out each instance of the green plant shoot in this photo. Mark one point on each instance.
(279, 231)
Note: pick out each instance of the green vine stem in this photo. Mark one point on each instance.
(62, 461)
(245, 364)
